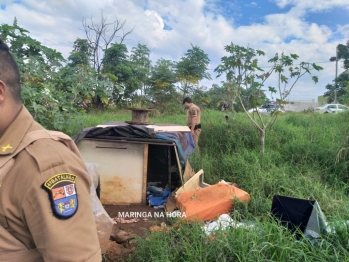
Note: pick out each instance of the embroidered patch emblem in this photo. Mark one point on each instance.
(62, 191)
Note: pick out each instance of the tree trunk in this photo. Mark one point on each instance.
(263, 140)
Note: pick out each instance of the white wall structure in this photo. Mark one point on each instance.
(300, 105)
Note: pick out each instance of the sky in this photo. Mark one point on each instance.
(309, 28)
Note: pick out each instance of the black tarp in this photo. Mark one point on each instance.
(126, 131)
(294, 213)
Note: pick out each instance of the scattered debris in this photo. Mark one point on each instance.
(114, 250)
(125, 221)
(162, 227)
(121, 236)
(223, 222)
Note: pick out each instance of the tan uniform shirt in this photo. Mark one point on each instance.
(193, 111)
(25, 206)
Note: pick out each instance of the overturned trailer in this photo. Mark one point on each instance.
(132, 156)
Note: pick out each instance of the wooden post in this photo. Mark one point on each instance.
(145, 173)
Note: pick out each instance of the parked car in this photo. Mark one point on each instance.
(266, 109)
(331, 108)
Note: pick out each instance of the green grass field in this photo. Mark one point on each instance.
(299, 161)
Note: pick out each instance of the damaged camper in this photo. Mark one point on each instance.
(131, 156)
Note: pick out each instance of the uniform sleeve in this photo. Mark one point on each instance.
(58, 237)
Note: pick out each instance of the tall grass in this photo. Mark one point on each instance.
(300, 156)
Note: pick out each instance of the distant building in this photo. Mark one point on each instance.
(322, 100)
(300, 105)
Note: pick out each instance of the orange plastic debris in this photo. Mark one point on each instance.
(209, 202)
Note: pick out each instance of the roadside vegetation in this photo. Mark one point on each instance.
(299, 161)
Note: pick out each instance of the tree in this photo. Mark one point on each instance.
(342, 53)
(39, 67)
(82, 51)
(54, 94)
(141, 63)
(342, 89)
(191, 69)
(338, 91)
(117, 64)
(101, 35)
(162, 91)
(242, 72)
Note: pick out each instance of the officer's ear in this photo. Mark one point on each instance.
(3, 91)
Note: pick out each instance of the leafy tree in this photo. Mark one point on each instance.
(116, 63)
(338, 90)
(242, 72)
(39, 66)
(191, 69)
(342, 54)
(162, 92)
(54, 94)
(81, 53)
(141, 63)
(216, 95)
(342, 89)
(82, 86)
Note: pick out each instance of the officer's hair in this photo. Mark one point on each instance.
(9, 72)
(187, 99)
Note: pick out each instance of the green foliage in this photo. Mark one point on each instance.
(56, 94)
(84, 88)
(266, 241)
(341, 85)
(129, 77)
(161, 91)
(342, 54)
(39, 67)
(191, 69)
(241, 69)
(81, 53)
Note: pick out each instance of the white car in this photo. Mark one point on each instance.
(266, 109)
(259, 109)
(331, 108)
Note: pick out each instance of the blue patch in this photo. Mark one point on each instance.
(62, 192)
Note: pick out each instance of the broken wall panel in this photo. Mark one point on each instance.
(120, 168)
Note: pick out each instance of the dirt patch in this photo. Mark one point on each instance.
(145, 216)
(130, 220)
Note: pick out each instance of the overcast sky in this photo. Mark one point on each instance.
(310, 28)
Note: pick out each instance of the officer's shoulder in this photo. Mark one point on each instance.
(48, 153)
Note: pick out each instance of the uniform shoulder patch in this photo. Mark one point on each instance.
(62, 193)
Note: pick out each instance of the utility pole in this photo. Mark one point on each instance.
(335, 80)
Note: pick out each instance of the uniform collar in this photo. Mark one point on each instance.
(15, 132)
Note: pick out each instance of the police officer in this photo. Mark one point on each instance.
(193, 119)
(45, 207)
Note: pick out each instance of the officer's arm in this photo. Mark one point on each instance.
(58, 212)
